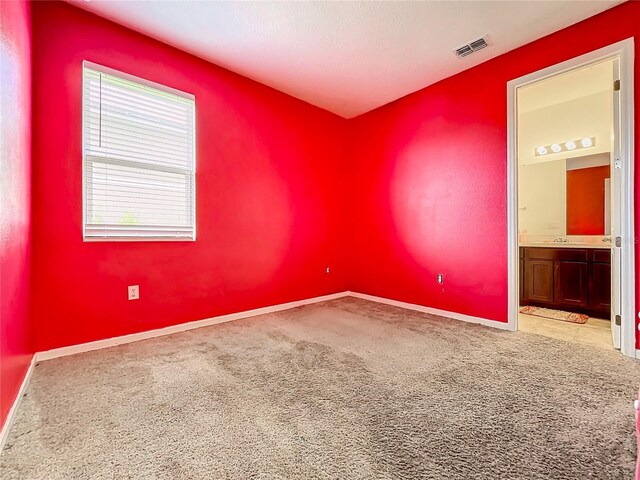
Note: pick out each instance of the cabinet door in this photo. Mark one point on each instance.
(539, 280)
(571, 283)
(521, 278)
(600, 287)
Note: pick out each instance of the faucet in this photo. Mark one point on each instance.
(606, 239)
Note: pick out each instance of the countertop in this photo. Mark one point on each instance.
(600, 246)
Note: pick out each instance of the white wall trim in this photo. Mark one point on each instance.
(434, 311)
(623, 50)
(181, 327)
(4, 434)
(638, 354)
(628, 281)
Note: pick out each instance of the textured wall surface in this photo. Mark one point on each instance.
(15, 199)
(430, 195)
(425, 178)
(268, 177)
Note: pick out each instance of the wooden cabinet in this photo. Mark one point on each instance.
(571, 284)
(539, 280)
(572, 279)
(521, 276)
(600, 287)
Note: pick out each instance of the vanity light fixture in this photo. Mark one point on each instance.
(567, 146)
(541, 150)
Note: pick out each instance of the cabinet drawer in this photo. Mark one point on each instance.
(566, 254)
(572, 255)
(601, 256)
(539, 253)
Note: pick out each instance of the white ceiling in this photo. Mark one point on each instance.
(571, 106)
(348, 57)
(564, 88)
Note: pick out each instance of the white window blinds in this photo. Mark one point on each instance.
(139, 158)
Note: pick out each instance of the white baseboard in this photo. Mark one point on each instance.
(434, 311)
(638, 354)
(14, 408)
(182, 327)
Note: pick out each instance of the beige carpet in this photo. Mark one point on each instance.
(346, 389)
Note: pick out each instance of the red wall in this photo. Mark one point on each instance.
(431, 177)
(15, 206)
(267, 202)
(585, 200)
(425, 176)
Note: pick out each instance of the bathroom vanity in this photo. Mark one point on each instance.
(574, 278)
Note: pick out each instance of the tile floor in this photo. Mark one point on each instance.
(595, 332)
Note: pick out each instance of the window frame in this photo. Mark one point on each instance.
(158, 86)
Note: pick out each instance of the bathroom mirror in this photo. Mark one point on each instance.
(565, 196)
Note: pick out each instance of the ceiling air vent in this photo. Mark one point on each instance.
(471, 47)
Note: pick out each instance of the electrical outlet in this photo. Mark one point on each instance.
(134, 292)
(440, 278)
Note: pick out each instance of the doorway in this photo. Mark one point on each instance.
(548, 234)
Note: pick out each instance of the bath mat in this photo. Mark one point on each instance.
(555, 314)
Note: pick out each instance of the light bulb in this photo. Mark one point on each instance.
(571, 145)
(541, 150)
(556, 148)
(586, 142)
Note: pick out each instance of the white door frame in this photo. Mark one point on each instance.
(625, 52)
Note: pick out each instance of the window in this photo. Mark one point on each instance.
(139, 158)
